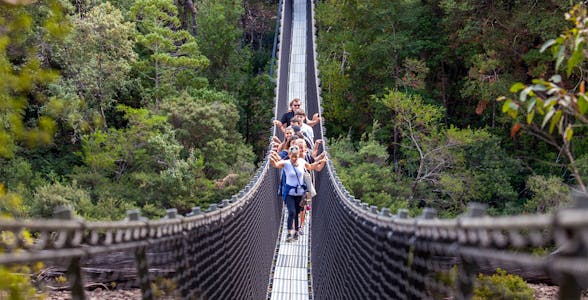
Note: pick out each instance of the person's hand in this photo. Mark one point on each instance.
(317, 142)
(316, 117)
(277, 123)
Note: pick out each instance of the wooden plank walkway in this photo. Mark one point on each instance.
(292, 269)
(291, 276)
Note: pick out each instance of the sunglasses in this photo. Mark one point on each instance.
(296, 105)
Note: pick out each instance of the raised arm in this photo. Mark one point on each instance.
(276, 161)
(280, 125)
(314, 121)
(317, 165)
(315, 149)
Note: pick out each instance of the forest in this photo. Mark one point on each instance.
(148, 104)
(440, 103)
(153, 104)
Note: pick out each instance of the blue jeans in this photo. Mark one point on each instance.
(293, 205)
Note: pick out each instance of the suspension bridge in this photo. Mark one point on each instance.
(236, 249)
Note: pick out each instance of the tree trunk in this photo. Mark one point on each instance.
(192, 9)
(568, 153)
(100, 94)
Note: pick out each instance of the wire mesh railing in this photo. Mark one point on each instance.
(223, 253)
(359, 252)
(362, 253)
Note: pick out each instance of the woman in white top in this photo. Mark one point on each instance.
(294, 187)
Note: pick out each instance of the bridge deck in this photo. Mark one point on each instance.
(292, 272)
(291, 277)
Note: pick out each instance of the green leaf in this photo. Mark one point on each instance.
(515, 88)
(550, 102)
(555, 78)
(548, 116)
(559, 57)
(582, 103)
(525, 93)
(554, 120)
(506, 105)
(530, 117)
(547, 45)
(576, 58)
(569, 133)
(531, 104)
(539, 88)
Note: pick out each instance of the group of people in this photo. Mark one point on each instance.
(297, 155)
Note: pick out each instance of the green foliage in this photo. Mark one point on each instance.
(548, 194)
(23, 73)
(366, 173)
(502, 286)
(95, 69)
(172, 58)
(10, 204)
(219, 37)
(47, 198)
(256, 106)
(19, 177)
(207, 121)
(354, 39)
(15, 285)
(546, 105)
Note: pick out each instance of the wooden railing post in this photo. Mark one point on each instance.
(74, 269)
(468, 268)
(572, 246)
(141, 261)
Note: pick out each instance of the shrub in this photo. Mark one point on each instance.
(48, 197)
(502, 286)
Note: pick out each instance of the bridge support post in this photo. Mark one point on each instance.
(74, 269)
(571, 244)
(421, 256)
(468, 268)
(141, 261)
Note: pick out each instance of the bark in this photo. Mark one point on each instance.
(192, 9)
(100, 93)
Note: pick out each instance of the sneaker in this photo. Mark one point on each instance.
(300, 232)
(289, 238)
(295, 237)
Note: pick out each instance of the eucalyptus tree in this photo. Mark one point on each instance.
(171, 60)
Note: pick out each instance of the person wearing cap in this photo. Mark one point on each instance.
(294, 168)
